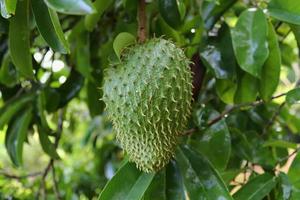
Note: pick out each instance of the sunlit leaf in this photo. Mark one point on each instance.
(74, 7)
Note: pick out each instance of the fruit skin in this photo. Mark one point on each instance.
(148, 98)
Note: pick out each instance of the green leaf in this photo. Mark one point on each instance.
(170, 12)
(19, 40)
(294, 171)
(69, 89)
(212, 11)
(83, 56)
(8, 73)
(121, 41)
(16, 135)
(201, 180)
(285, 187)
(73, 7)
(249, 38)
(174, 184)
(157, 188)
(140, 186)
(47, 146)
(218, 54)
(257, 188)
(10, 109)
(226, 89)
(128, 183)
(94, 94)
(280, 143)
(49, 26)
(215, 144)
(270, 74)
(41, 107)
(8, 7)
(247, 89)
(293, 96)
(287, 11)
(91, 20)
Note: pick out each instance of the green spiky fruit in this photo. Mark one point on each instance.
(148, 97)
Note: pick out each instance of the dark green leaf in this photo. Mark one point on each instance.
(48, 147)
(174, 184)
(8, 73)
(285, 187)
(249, 39)
(139, 188)
(19, 40)
(293, 96)
(212, 11)
(287, 11)
(170, 12)
(10, 109)
(121, 41)
(95, 104)
(16, 135)
(271, 69)
(247, 89)
(215, 144)
(73, 7)
(257, 188)
(226, 90)
(83, 57)
(201, 180)
(157, 188)
(91, 20)
(218, 55)
(70, 88)
(280, 143)
(126, 182)
(49, 26)
(41, 108)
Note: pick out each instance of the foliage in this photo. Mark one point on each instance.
(242, 140)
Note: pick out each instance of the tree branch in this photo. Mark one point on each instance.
(142, 26)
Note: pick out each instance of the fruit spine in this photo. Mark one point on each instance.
(148, 98)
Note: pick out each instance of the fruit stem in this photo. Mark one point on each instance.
(142, 21)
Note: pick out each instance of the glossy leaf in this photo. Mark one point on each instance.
(139, 188)
(16, 135)
(8, 7)
(49, 26)
(212, 11)
(280, 143)
(287, 11)
(117, 188)
(47, 146)
(121, 41)
(257, 188)
(9, 110)
(218, 55)
(293, 96)
(157, 188)
(70, 88)
(249, 38)
(226, 90)
(174, 184)
(19, 40)
(73, 7)
(270, 74)
(286, 187)
(170, 12)
(215, 144)
(91, 20)
(247, 89)
(201, 180)
(8, 73)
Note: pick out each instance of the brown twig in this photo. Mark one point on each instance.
(230, 110)
(142, 26)
(13, 176)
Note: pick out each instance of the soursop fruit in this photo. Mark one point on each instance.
(148, 97)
